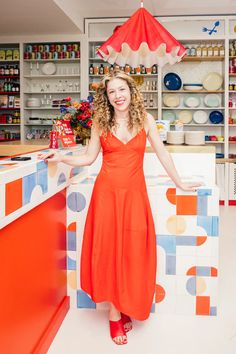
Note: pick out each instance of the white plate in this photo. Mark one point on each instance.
(185, 116)
(192, 101)
(171, 100)
(193, 87)
(200, 117)
(49, 68)
(212, 100)
(213, 81)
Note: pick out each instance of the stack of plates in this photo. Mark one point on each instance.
(200, 117)
(175, 137)
(192, 87)
(195, 137)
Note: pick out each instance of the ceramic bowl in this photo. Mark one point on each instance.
(49, 68)
(185, 116)
(212, 100)
(175, 137)
(200, 117)
(212, 81)
(216, 117)
(172, 81)
(171, 100)
(192, 101)
(192, 87)
(169, 115)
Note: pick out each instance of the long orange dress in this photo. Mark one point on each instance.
(118, 260)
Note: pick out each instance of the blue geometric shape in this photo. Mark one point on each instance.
(42, 179)
(168, 242)
(41, 165)
(88, 180)
(213, 311)
(204, 192)
(186, 241)
(28, 184)
(209, 223)
(76, 201)
(191, 286)
(61, 179)
(71, 240)
(170, 264)
(84, 301)
(76, 170)
(152, 308)
(71, 263)
(69, 153)
(203, 271)
(202, 202)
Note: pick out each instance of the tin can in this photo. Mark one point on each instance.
(52, 47)
(33, 55)
(60, 55)
(35, 48)
(231, 69)
(46, 48)
(58, 47)
(26, 55)
(69, 47)
(77, 54)
(53, 142)
(29, 48)
(38, 55)
(72, 55)
(75, 47)
(55, 55)
(234, 62)
(64, 47)
(44, 55)
(49, 55)
(66, 55)
(40, 48)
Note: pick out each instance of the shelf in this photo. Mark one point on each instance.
(141, 75)
(201, 125)
(50, 76)
(38, 125)
(211, 58)
(232, 125)
(232, 142)
(5, 140)
(53, 60)
(15, 124)
(41, 108)
(151, 108)
(213, 142)
(9, 109)
(9, 77)
(50, 92)
(9, 61)
(196, 108)
(10, 93)
(232, 74)
(149, 91)
(188, 91)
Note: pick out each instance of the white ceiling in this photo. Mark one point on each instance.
(34, 17)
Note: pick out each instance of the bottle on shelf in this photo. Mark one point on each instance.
(215, 50)
(7, 71)
(221, 50)
(199, 50)
(193, 51)
(154, 69)
(204, 50)
(91, 69)
(231, 50)
(101, 70)
(210, 50)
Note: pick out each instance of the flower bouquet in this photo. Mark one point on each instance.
(79, 114)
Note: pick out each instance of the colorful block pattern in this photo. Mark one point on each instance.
(187, 247)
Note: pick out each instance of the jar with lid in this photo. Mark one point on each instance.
(193, 51)
(91, 69)
(127, 69)
(96, 70)
(215, 50)
(101, 69)
(231, 50)
(199, 51)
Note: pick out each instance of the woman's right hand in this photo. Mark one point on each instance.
(52, 155)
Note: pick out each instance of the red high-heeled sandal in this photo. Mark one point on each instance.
(126, 319)
(116, 330)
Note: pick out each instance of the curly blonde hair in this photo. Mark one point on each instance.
(103, 116)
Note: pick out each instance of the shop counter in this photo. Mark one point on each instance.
(11, 148)
(187, 230)
(33, 297)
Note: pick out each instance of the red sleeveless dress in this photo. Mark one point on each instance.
(118, 259)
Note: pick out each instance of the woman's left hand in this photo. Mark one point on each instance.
(190, 187)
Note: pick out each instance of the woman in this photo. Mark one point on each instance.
(118, 260)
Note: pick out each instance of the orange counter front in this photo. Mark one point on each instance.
(33, 274)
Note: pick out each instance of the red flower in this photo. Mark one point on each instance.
(84, 106)
(89, 123)
(67, 98)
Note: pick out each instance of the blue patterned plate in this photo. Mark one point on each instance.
(172, 81)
